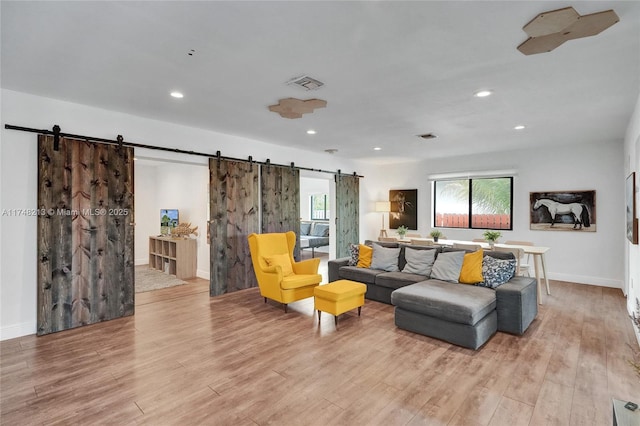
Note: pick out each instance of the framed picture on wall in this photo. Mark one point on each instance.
(573, 211)
(404, 208)
(632, 213)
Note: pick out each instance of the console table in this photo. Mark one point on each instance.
(180, 255)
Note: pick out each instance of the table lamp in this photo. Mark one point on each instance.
(383, 207)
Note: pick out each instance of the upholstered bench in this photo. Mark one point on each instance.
(461, 314)
(339, 297)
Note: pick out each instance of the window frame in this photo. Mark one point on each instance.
(325, 210)
(470, 203)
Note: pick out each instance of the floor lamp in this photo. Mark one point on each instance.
(383, 207)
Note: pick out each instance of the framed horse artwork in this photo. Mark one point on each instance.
(563, 211)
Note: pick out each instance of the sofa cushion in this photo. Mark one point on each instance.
(320, 230)
(364, 256)
(447, 266)
(497, 271)
(471, 272)
(419, 261)
(397, 279)
(363, 275)
(305, 228)
(385, 258)
(451, 302)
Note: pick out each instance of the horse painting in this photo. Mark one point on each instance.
(578, 211)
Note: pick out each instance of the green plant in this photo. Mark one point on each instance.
(491, 236)
(435, 234)
(402, 230)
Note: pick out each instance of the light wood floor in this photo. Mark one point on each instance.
(233, 360)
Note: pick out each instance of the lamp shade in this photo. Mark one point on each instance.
(383, 206)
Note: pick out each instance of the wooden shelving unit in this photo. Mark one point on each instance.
(180, 254)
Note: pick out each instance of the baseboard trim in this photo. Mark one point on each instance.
(589, 280)
(17, 330)
(143, 261)
(205, 275)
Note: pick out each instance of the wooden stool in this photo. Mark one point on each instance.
(339, 297)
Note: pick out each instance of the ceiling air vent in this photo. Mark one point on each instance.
(306, 82)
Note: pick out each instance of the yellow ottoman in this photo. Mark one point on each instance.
(339, 297)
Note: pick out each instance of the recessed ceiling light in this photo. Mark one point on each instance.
(177, 95)
(311, 132)
(377, 148)
(482, 93)
(519, 127)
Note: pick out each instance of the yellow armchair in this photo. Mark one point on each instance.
(279, 276)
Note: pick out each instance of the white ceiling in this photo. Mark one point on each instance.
(392, 70)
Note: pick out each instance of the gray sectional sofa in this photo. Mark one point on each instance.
(462, 314)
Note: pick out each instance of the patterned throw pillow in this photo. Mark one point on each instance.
(354, 251)
(497, 271)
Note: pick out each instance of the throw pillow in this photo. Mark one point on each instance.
(305, 228)
(320, 230)
(497, 271)
(419, 261)
(385, 258)
(471, 272)
(364, 256)
(354, 250)
(447, 266)
(283, 260)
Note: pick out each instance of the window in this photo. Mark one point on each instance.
(320, 207)
(487, 201)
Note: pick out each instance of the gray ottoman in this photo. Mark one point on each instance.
(517, 304)
(461, 314)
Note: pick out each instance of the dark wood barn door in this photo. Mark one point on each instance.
(347, 213)
(233, 206)
(280, 193)
(85, 233)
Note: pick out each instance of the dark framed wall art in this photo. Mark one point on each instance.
(563, 211)
(632, 212)
(404, 208)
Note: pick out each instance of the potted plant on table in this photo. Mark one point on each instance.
(435, 234)
(491, 237)
(402, 231)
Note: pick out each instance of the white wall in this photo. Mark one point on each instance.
(632, 251)
(583, 257)
(145, 209)
(18, 171)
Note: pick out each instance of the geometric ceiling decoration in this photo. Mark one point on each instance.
(550, 29)
(294, 108)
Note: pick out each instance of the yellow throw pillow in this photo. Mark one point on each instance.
(283, 260)
(364, 256)
(471, 272)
